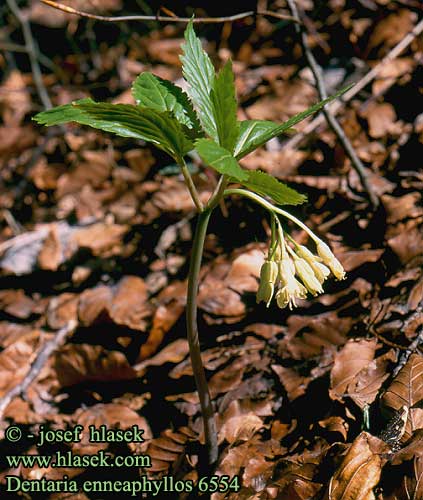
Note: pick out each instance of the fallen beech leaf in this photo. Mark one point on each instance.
(353, 259)
(173, 353)
(16, 360)
(129, 305)
(111, 415)
(240, 428)
(365, 388)
(359, 471)
(349, 361)
(16, 303)
(407, 389)
(102, 239)
(62, 309)
(94, 304)
(294, 384)
(172, 302)
(309, 336)
(76, 363)
(51, 255)
(407, 244)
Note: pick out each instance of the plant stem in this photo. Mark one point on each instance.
(190, 185)
(266, 204)
(210, 433)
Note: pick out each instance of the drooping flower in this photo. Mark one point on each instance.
(320, 270)
(290, 288)
(268, 277)
(325, 253)
(306, 273)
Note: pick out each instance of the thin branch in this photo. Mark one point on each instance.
(167, 19)
(32, 53)
(336, 106)
(333, 123)
(41, 359)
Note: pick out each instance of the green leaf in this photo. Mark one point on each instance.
(224, 107)
(220, 159)
(255, 133)
(160, 128)
(198, 71)
(153, 92)
(267, 185)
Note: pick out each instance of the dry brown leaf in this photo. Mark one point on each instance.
(129, 305)
(15, 100)
(171, 305)
(359, 471)
(76, 363)
(16, 360)
(382, 120)
(51, 255)
(365, 388)
(351, 260)
(94, 304)
(390, 72)
(407, 390)
(16, 303)
(310, 336)
(402, 207)
(102, 239)
(349, 361)
(112, 416)
(62, 309)
(294, 384)
(408, 243)
(392, 29)
(240, 428)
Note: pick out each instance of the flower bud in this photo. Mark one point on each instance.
(306, 273)
(330, 260)
(268, 276)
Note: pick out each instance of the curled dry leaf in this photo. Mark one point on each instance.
(407, 390)
(171, 302)
(359, 471)
(169, 449)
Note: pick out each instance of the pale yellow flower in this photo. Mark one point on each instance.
(290, 288)
(330, 260)
(268, 277)
(320, 270)
(306, 273)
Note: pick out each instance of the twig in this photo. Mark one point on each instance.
(167, 19)
(38, 365)
(360, 85)
(333, 123)
(30, 47)
(410, 349)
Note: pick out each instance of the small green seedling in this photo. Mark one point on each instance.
(205, 120)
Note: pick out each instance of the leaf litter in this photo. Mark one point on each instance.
(325, 402)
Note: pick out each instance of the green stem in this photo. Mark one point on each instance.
(210, 433)
(272, 208)
(190, 185)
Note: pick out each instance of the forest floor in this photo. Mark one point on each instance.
(324, 401)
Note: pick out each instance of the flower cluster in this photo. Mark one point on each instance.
(294, 271)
